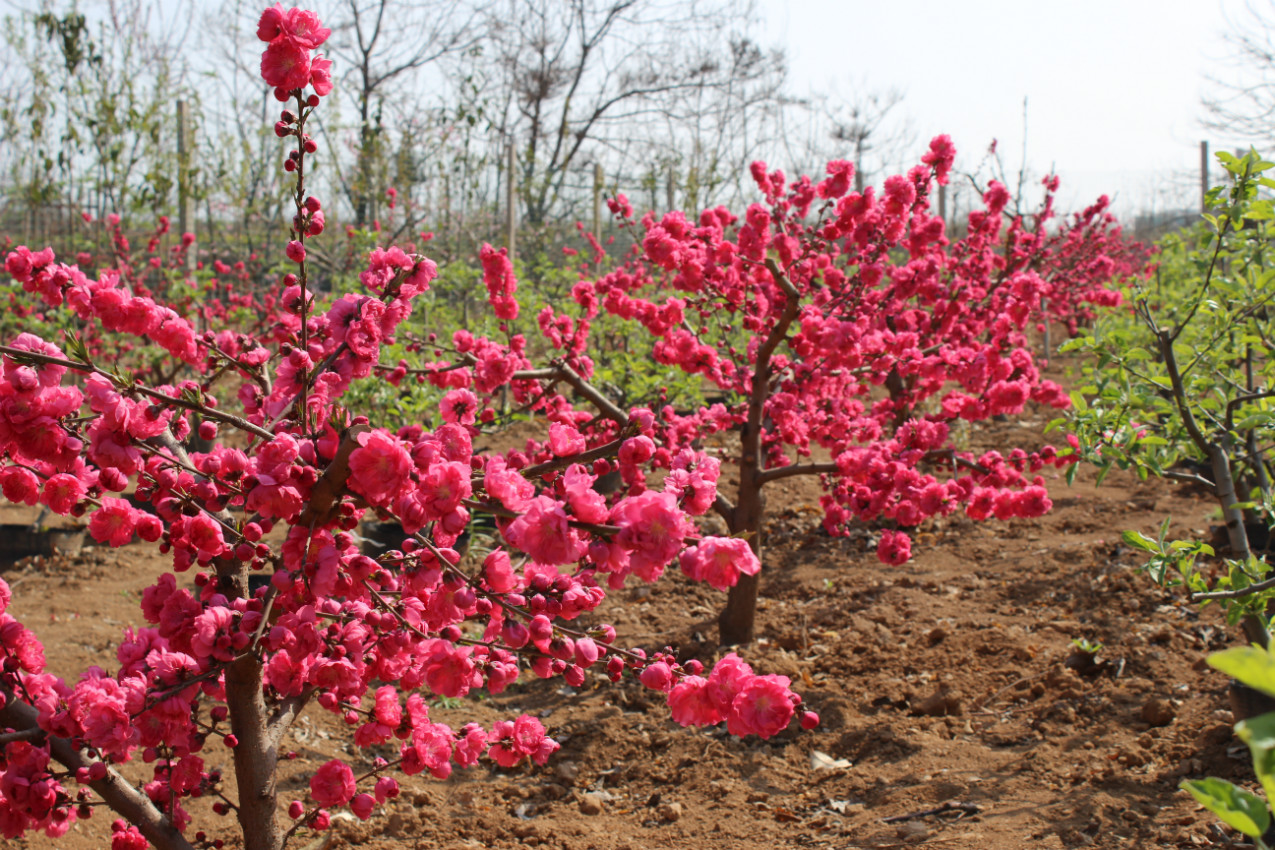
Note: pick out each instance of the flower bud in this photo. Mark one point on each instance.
(657, 677)
(362, 806)
(540, 628)
(574, 675)
(514, 634)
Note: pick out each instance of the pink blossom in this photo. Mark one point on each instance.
(431, 749)
(213, 634)
(459, 406)
(321, 81)
(565, 440)
(1033, 502)
(205, 536)
(443, 488)
(113, 523)
(332, 784)
(940, 156)
(128, 838)
(380, 467)
(726, 679)
(285, 64)
(652, 529)
(498, 275)
(20, 486)
(762, 707)
(657, 677)
(270, 26)
(509, 486)
(894, 548)
(303, 27)
(498, 572)
(542, 532)
(362, 805)
(720, 561)
(690, 703)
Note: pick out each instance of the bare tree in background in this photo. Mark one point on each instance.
(86, 114)
(1242, 102)
(709, 137)
(240, 157)
(599, 72)
(869, 126)
(384, 42)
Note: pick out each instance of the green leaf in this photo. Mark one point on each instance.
(1247, 664)
(1259, 733)
(1102, 474)
(1241, 809)
(1138, 540)
(1252, 421)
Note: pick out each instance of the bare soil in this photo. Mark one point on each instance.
(943, 685)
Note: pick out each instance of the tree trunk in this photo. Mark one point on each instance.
(1236, 533)
(735, 625)
(256, 756)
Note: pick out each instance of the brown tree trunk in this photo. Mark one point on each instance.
(736, 624)
(256, 756)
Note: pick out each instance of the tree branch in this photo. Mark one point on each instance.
(778, 472)
(125, 800)
(330, 484)
(1235, 594)
(1187, 476)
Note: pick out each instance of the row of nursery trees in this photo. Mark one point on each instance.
(1181, 385)
(844, 335)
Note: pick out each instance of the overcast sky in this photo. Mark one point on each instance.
(1113, 86)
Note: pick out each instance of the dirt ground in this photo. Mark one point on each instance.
(942, 685)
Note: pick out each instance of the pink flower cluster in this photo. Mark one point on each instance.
(750, 704)
(286, 63)
(106, 301)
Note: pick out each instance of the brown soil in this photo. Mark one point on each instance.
(945, 681)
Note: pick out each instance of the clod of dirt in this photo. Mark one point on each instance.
(1065, 682)
(567, 772)
(913, 832)
(935, 635)
(670, 812)
(942, 703)
(1159, 711)
(590, 804)
(394, 826)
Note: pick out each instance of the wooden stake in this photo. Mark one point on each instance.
(185, 201)
(1204, 176)
(511, 201)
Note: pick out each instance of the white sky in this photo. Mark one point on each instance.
(1113, 86)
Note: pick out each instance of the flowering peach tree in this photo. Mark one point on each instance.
(848, 323)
